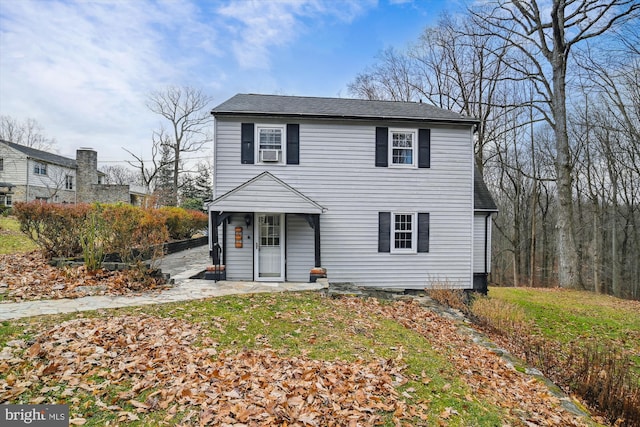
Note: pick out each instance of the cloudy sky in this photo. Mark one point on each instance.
(83, 69)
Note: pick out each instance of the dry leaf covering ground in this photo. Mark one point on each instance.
(170, 366)
(28, 276)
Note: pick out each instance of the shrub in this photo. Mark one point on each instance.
(192, 204)
(133, 230)
(604, 377)
(500, 316)
(454, 298)
(93, 238)
(55, 228)
(181, 223)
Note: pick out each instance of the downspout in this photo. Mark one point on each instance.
(224, 242)
(486, 242)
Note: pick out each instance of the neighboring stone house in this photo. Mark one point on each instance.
(379, 193)
(28, 174)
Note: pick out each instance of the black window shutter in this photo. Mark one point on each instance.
(293, 144)
(382, 147)
(424, 148)
(423, 232)
(384, 231)
(247, 149)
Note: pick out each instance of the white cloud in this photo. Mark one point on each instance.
(255, 27)
(83, 69)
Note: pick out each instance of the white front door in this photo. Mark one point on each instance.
(269, 247)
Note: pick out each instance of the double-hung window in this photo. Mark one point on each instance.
(68, 182)
(1, 163)
(404, 233)
(270, 144)
(40, 168)
(402, 147)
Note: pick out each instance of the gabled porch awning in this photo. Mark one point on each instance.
(265, 193)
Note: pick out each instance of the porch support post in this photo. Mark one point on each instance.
(224, 241)
(316, 229)
(213, 226)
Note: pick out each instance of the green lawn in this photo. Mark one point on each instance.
(587, 342)
(297, 325)
(11, 239)
(569, 316)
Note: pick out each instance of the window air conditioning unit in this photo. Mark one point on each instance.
(270, 155)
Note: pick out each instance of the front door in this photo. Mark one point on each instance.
(269, 247)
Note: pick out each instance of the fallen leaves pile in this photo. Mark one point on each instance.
(248, 388)
(487, 375)
(135, 366)
(28, 276)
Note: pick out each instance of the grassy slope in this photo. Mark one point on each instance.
(571, 316)
(11, 239)
(295, 324)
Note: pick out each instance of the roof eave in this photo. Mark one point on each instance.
(468, 121)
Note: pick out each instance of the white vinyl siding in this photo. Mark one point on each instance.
(14, 168)
(239, 264)
(337, 171)
(300, 249)
(479, 221)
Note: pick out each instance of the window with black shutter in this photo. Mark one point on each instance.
(403, 232)
(403, 148)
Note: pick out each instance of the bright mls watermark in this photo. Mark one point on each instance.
(34, 415)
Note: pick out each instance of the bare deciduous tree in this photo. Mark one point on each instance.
(451, 67)
(120, 175)
(546, 34)
(148, 170)
(189, 120)
(28, 133)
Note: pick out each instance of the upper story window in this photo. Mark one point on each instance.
(270, 146)
(40, 169)
(68, 182)
(1, 164)
(402, 147)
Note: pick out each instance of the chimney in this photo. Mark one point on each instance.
(86, 174)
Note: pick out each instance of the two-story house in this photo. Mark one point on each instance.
(28, 174)
(379, 193)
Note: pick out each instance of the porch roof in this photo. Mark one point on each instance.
(265, 193)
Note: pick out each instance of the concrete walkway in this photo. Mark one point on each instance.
(181, 266)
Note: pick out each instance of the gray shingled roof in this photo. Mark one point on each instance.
(42, 155)
(482, 199)
(343, 108)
